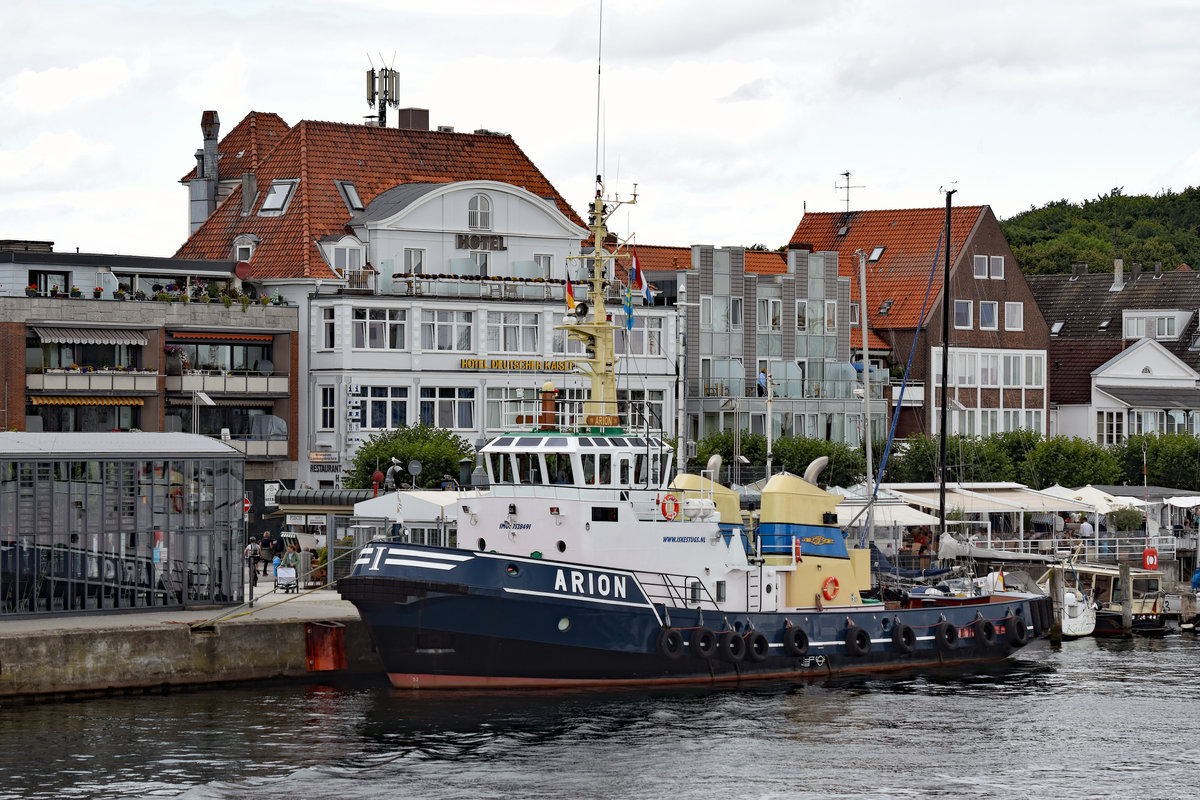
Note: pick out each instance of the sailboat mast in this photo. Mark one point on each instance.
(945, 370)
(866, 373)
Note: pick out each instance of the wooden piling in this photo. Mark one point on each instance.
(1126, 600)
(1057, 592)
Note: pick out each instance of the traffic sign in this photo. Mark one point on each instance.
(246, 505)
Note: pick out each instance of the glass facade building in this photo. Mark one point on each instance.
(108, 521)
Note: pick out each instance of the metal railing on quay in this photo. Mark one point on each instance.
(1105, 549)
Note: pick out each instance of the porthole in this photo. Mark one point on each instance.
(768, 588)
(482, 545)
(562, 546)
(513, 570)
(564, 624)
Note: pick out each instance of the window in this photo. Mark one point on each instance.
(981, 266)
(1164, 328)
(501, 399)
(561, 344)
(987, 315)
(638, 411)
(512, 332)
(802, 316)
(770, 310)
(448, 407)
(1109, 428)
(962, 313)
(1033, 371)
(875, 254)
(1012, 371)
(997, 268)
(386, 407)
(446, 330)
(1014, 317)
(414, 261)
(479, 213)
(347, 259)
(830, 316)
(350, 195)
(968, 365)
(243, 252)
(482, 259)
(328, 328)
(1135, 327)
(544, 261)
(645, 337)
(706, 311)
(328, 408)
(989, 421)
(989, 369)
(277, 197)
(380, 328)
(735, 313)
(853, 314)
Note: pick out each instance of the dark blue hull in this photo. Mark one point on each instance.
(452, 619)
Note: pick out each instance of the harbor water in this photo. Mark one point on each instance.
(1092, 719)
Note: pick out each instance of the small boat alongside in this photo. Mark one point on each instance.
(1098, 585)
(586, 564)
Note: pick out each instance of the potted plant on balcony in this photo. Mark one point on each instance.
(118, 293)
(96, 292)
(75, 292)
(31, 290)
(54, 291)
(176, 360)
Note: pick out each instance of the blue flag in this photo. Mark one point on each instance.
(629, 306)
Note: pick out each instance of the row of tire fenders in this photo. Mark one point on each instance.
(754, 646)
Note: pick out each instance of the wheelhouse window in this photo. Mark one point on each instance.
(479, 213)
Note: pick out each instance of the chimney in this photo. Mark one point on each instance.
(1118, 275)
(1136, 270)
(413, 119)
(202, 190)
(1079, 268)
(1157, 270)
(249, 192)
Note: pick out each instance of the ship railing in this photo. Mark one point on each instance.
(1101, 547)
(577, 416)
(676, 591)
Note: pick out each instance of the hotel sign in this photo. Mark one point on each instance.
(475, 241)
(526, 364)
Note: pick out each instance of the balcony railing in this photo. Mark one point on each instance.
(257, 447)
(228, 382)
(361, 280)
(794, 389)
(473, 288)
(100, 380)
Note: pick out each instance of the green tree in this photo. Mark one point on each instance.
(438, 450)
(968, 458)
(1168, 460)
(1072, 461)
(846, 467)
(753, 447)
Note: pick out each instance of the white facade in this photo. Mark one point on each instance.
(444, 337)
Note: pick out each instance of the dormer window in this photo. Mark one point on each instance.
(350, 195)
(277, 198)
(479, 213)
(243, 247)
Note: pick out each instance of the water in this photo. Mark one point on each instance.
(1093, 719)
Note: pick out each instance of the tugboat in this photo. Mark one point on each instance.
(585, 564)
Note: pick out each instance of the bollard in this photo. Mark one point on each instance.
(326, 645)
(1057, 589)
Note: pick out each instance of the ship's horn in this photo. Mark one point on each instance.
(814, 469)
(714, 465)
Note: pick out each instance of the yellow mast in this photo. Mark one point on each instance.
(599, 361)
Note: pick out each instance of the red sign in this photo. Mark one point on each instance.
(246, 505)
(1150, 558)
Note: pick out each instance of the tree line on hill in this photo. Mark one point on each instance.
(1135, 228)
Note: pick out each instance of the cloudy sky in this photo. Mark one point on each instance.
(730, 117)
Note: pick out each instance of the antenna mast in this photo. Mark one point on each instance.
(383, 86)
(847, 188)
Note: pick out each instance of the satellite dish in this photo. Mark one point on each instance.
(414, 467)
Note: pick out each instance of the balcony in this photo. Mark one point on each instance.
(99, 380)
(257, 447)
(482, 288)
(219, 382)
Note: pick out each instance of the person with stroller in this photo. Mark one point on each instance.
(277, 552)
(253, 554)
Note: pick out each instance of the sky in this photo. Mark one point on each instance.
(731, 118)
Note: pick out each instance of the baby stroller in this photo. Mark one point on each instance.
(285, 579)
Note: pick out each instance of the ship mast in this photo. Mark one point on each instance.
(596, 335)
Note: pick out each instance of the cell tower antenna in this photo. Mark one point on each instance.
(383, 87)
(847, 187)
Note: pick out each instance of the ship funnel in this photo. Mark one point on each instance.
(814, 469)
(714, 466)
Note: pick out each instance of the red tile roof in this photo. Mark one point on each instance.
(244, 147)
(766, 262)
(318, 154)
(910, 238)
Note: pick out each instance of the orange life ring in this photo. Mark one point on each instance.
(829, 589)
(670, 507)
(177, 499)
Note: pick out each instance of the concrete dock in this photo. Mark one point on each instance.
(281, 636)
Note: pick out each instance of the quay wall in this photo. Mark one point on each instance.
(65, 662)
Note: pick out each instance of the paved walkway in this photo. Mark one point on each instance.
(318, 604)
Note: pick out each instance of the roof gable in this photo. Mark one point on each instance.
(244, 147)
(317, 155)
(911, 266)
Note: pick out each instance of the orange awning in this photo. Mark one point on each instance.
(79, 400)
(227, 337)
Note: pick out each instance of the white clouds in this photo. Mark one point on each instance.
(55, 160)
(31, 96)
